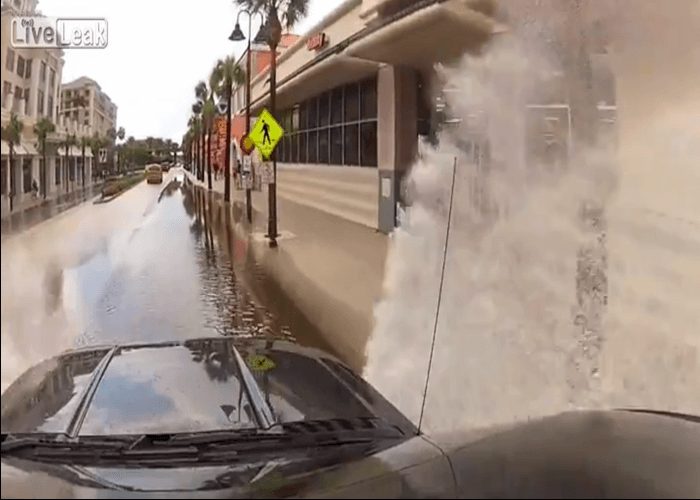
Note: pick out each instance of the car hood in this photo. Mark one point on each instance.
(190, 386)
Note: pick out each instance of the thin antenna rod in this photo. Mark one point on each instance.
(439, 300)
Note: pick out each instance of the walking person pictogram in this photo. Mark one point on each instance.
(266, 133)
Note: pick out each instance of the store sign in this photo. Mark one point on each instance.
(317, 41)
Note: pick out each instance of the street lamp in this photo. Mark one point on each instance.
(237, 36)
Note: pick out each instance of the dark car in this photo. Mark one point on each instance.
(252, 418)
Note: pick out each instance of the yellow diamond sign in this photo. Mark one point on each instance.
(266, 133)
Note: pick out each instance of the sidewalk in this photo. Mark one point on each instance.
(330, 267)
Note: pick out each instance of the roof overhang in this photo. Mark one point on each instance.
(441, 32)
(328, 73)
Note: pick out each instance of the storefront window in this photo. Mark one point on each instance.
(368, 143)
(57, 172)
(323, 146)
(323, 114)
(337, 105)
(352, 103)
(351, 148)
(368, 99)
(313, 147)
(338, 127)
(294, 149)
(26, 175)
(336, 146)
(312, 113)
(302, 148)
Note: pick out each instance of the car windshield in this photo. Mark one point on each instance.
(447, 215)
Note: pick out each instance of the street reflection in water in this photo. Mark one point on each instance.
(166, 262)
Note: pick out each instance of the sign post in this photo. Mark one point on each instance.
(266, 134)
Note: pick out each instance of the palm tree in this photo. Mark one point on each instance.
(197, 111)
(11, 133)
(228, 74)
(202, 93)
(42, 129)
(111, 137)
(121, 133)
(176, 146)
(96, 143)
(291, 12)
(196, 127)
(68, 141)
(208, 114)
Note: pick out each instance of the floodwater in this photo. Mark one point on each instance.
(160, 262)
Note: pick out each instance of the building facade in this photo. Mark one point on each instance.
(353, 98)
(31, 91)
(83, 101)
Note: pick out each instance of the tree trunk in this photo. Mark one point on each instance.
(209, 157)
(44, 172)
(12, 176)
(227, 153)
(66, 175)
(82, 171)
(202, 152)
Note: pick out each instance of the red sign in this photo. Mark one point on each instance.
(316, 41)
(247, 145)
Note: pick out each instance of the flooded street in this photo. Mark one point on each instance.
(160, 262)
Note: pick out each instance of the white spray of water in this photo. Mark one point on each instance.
(39, 307)
(510, 341)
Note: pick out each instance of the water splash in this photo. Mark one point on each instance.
(545, 309)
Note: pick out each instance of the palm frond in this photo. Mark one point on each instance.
(294, 11)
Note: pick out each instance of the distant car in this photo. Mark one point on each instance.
(154, 174)
(165, 166)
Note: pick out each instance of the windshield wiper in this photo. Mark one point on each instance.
(13, 442)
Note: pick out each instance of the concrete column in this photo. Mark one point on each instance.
(397, 136)
(33, 87)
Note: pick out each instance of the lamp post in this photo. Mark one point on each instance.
(274, 34)
(237, 36)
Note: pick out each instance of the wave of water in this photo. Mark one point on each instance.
(517, 337)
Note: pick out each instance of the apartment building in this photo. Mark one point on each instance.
(84, 102)
(31, 90)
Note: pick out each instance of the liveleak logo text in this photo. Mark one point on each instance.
(58, 32)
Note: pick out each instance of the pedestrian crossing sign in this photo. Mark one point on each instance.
(266, 133)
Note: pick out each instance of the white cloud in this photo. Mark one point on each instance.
(157, 51)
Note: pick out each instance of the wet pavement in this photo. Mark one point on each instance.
(22, 220)
(164, 262)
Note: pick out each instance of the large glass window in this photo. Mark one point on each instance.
(27, 175)
(10, 60)
(338, 127)
(352, 103)
(302, 148)
(323, 145)
(323, 110)
(337, 105)
(20, 66)
(336, 145)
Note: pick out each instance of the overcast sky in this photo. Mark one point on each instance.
(157, 51)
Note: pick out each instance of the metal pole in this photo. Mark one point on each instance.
(273, 40)
(248, 200)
